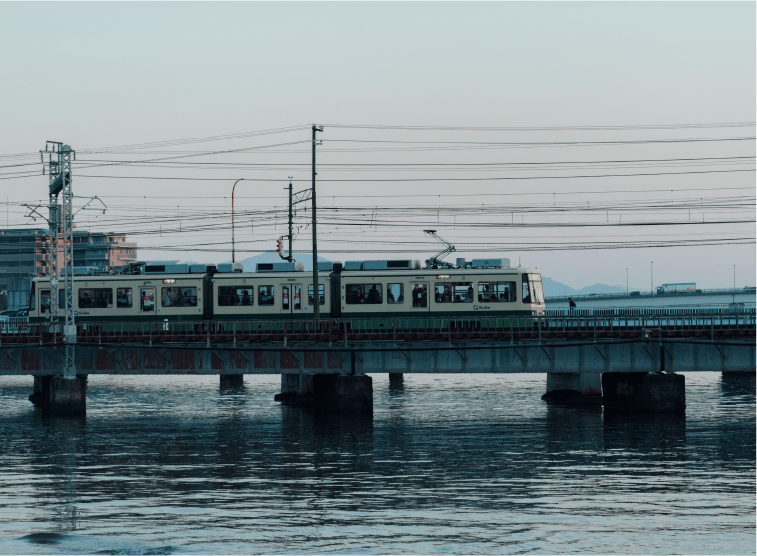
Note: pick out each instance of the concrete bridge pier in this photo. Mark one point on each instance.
(644, 392)
(232, 381)
(343, 393)
(329, 392)
(60, 396)
(395, 379)
(574, 387)
(737, 375)
(295, 388)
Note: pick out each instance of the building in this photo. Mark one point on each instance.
(102, 251)
(25, 253)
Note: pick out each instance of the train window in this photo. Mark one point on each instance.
(369, 294)
(526, 297)
(123, 298)
(453, 292)
(95, 298)
(265, 295)
(395, 294)
(235, 296)
(61, 299)
(147, 300)
(285, 297)
(296, 296)
(496, 292)
(420, 296)
(44, 301)
(537, 289)
(321, 296)
(178, 297)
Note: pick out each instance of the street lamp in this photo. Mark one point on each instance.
(233, 257)
(626, 282)
(651, 270)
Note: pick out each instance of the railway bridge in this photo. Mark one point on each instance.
(626, 359)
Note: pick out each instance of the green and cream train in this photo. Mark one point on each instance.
(355, 290)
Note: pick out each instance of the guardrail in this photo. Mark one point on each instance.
(620, 311)
(647, 294)
(631, 324)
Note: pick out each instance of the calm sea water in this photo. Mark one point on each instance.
(447, 464)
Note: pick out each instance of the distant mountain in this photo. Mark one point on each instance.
(273, 257)
(553, 288)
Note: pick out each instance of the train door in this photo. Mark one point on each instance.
(291, 300)
(419, 297)
(147, 302)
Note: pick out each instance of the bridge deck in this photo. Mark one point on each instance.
(657, 325)
(561, 344)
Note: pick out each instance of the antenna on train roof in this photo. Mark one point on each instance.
(436, 261)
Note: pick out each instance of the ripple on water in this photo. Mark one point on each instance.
(458, 464)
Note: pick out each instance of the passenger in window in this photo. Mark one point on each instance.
(85, 301)
(424, 299)
(470, 293)
(416, 296)
(246, 297)
(447, 296)
(390, 296)
(486, 295)
(373, 295)
(166, 297)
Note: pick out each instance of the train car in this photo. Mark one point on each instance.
(473, 291)
(376, 290)
(123, 298)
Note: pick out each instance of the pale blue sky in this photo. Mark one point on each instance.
(101, 74)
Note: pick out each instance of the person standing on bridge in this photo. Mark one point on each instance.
(571, 304)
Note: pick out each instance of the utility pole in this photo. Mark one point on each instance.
(626, 282)
(59, 167)
(289, 254)
(652, 275)
(294, 199)
(316, 297)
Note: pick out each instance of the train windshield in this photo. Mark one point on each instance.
(533, 292)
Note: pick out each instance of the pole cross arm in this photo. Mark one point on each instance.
(302, 196)
(89, 202)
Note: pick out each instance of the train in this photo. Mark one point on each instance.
(388, 289)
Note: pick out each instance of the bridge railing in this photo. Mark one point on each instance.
(648, 293)
(578, 324)
(651, 311)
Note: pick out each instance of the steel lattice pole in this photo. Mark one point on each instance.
(69, 330)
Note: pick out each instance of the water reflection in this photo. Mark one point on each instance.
(660, 437)
(738, 384)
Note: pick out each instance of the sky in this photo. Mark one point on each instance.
(514, 75)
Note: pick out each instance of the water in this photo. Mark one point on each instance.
(448, 464)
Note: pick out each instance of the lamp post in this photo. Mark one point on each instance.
(626, 282)
(233, 254)
(651, 270)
